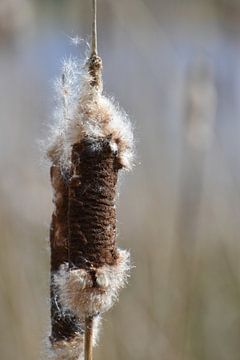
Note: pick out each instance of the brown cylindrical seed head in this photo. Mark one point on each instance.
(59, 229)
(64, 325)
(91, 213)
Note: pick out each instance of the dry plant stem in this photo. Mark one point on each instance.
(88, 346)
(94, 28)
(95, 62)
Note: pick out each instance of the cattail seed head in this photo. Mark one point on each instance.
(91, 142)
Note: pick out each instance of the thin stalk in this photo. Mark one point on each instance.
(88, 346)
(94, 28)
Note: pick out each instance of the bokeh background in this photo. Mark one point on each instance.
(175, 68)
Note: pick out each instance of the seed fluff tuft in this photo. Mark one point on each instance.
(85, 298)
(83, 111)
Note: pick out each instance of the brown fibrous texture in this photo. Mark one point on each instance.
(64, 324)
(70, 349)
(92, 215)
(95, 70)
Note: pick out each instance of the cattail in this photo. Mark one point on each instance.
(91, 143)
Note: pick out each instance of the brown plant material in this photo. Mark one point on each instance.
(91, 143)
(64, 325)
(69, 349)
(88, 293)
(92, 215)
(59, 229)
(95, 70)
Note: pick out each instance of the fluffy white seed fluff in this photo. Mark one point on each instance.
(76, 289)
(72, 349)
(84, 111)
(67, 350)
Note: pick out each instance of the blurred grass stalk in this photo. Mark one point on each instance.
(200, 116)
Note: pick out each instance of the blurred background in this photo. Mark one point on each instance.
(175, 68)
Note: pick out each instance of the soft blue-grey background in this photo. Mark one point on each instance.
(175, 68)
